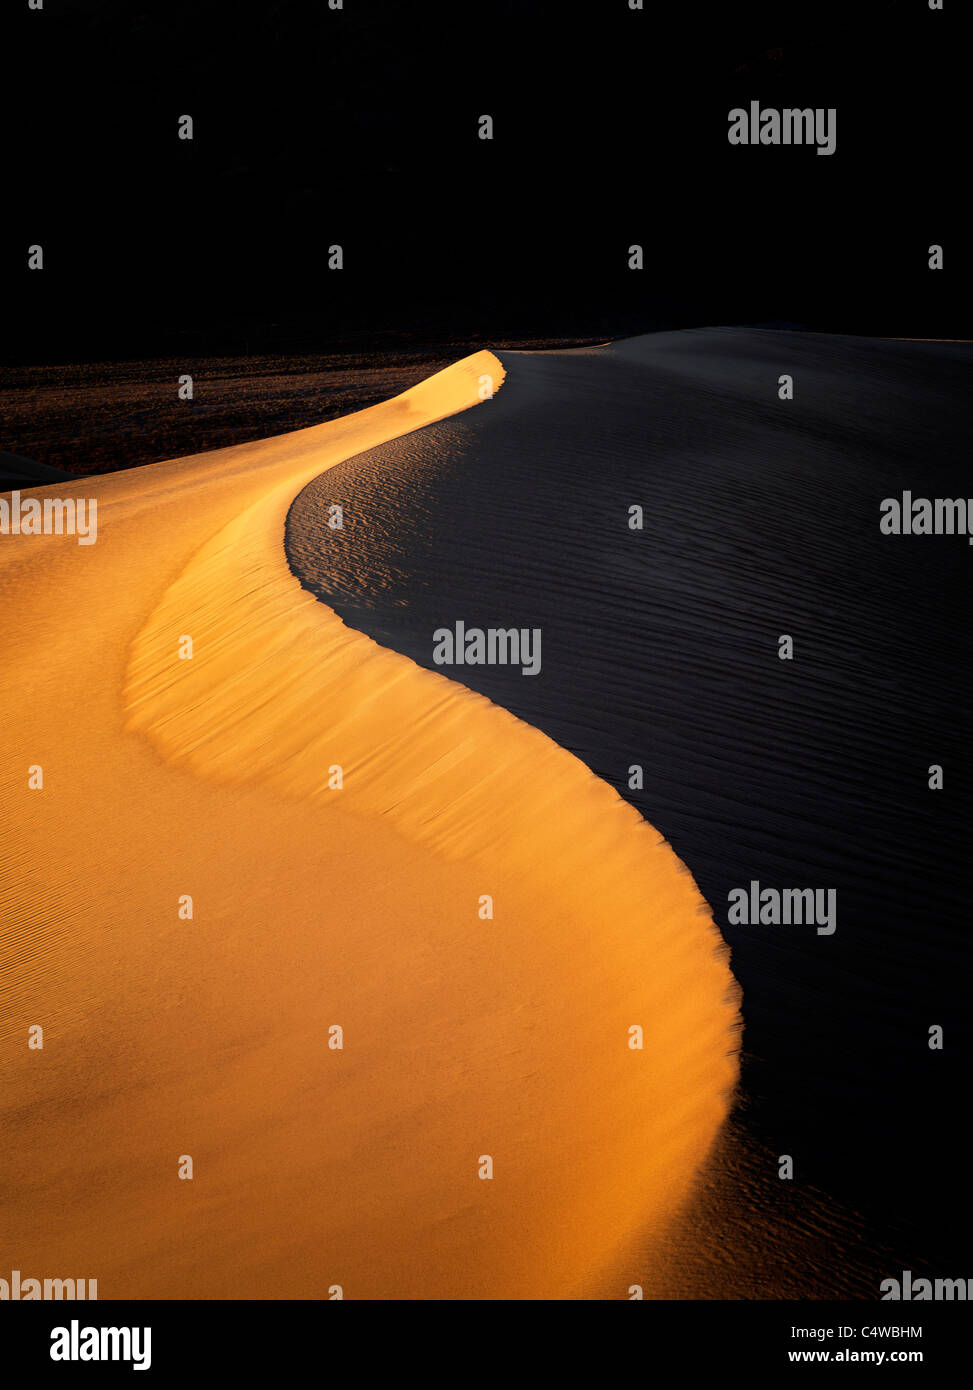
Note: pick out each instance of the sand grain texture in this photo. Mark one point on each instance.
(315, 907)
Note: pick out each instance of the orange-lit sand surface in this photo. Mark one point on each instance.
(315, 907)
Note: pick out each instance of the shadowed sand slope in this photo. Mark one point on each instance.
(19, 472)
(314, 907)
(660, 650)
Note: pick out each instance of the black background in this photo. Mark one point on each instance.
(251, 1339)
(359, 127)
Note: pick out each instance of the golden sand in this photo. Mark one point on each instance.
(314, 907)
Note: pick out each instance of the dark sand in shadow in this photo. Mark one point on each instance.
(660, 649)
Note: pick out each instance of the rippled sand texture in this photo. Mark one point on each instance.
(660, 648)
(315, 907)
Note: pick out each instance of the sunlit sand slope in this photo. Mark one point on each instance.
(464, 1037)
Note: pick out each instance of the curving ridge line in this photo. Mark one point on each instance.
(598, 924)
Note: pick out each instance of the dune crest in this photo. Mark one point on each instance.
(281, 691)
(464, 1038)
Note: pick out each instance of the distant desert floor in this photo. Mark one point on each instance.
(470, 1042)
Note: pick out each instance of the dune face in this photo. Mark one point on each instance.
(660, 648)
(468, 1040)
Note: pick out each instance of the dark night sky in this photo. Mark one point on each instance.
(359, 127)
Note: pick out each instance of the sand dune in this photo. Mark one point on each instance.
(660, 648)
(315, 907)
